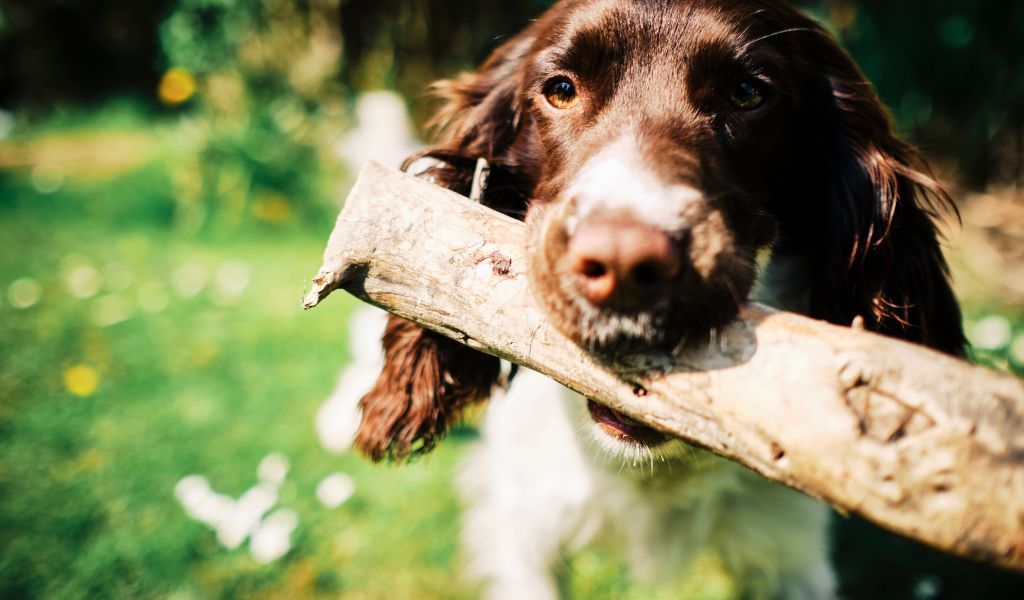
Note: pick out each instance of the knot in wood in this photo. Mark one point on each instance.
(881, 414)
(501, 263)
(855, 374)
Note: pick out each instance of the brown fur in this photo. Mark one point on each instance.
(426, 383)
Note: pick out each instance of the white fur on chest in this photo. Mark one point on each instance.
(536, 492)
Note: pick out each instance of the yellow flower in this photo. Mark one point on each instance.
(177, 86)
(81, 380)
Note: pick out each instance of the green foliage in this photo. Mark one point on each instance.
(953, 71)
(203, 36)
(262, 166)
(261, 127)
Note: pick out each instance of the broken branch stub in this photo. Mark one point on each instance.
(924, 444)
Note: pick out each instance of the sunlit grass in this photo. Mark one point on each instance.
(133, 356)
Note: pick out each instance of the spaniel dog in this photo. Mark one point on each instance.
(673, 159)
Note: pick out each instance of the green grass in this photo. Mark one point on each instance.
(208, 385)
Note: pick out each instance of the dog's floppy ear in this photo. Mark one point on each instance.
(426, 383)
(482, 116)
(429, 379)
(885, 205)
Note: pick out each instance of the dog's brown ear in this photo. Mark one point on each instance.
(482, 116)
(426, 383)
(428, 379)
(885, 262)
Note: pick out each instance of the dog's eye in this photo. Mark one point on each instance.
(747, 95)
(561, 93)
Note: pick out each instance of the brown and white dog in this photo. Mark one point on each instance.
(673, 159)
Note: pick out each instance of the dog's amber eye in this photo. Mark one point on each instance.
(561, 93)
(747, 95)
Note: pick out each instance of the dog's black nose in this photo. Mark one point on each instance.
(622, 264)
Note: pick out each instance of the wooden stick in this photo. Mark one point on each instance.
(926, 445)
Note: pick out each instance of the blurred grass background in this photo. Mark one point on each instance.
(169, 172)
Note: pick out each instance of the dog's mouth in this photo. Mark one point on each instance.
(623, 428)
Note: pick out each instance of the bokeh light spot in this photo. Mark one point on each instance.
(153, 296)
(272, 209)
(111, 310)
(842, 15)
(957, 32)
(1017, 351)
(84, 281)
(118, 276)
(991, 333)
(189, 280)
(81, 380)
(24, 293)
(47, 178)
(230, 281)
(176, 86)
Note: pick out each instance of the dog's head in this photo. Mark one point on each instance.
(667, 143)
(657, 147)
(663, 128)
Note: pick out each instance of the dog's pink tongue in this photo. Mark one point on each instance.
(622, 426)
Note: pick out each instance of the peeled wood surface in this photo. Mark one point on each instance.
(924, 444)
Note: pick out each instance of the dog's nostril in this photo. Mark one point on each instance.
(593, 269)
(647, 274)
(599, 289)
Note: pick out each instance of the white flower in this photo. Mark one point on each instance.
(244, 520)
(272, 539)
(273, 469)
(335, 489)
